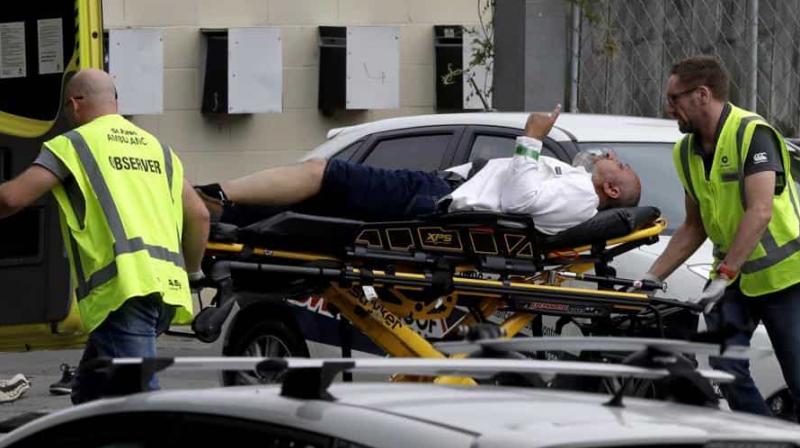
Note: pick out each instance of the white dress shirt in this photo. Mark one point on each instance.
(557, 195)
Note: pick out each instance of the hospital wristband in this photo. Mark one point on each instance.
(529, 147)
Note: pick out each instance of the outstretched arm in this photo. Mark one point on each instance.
(195, 228)
(684, 242)
(24, 189)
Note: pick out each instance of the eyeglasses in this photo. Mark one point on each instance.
(674, 97)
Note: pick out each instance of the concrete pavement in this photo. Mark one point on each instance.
(42, 369)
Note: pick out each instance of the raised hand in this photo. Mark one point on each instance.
(540, 123)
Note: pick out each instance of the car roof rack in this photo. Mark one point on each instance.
(688, 386)
(604, 344)
(304, 378)
(472, 367)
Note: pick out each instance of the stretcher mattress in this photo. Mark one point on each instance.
(466, 233)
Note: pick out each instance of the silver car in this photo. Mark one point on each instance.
(306, 412)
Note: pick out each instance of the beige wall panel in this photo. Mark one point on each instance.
(180, 89)
(203, 167)
(300, 87)
(181, 47)
(222, 147)
(303, 12)
(191, 131)
(160, 12)
(292, 130)
(417, 86)
(230, 13)
(150, 124)
(113, 13)
(444, 12)
(300, 46)
(404, 111)
(373, 12)
(416, 45)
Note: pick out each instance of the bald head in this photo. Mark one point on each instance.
(616, 183)
(90, 93)
(630, 189)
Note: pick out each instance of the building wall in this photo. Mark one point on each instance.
(220, 147)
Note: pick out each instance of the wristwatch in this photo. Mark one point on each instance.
(725, 270)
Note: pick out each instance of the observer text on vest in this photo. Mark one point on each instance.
(135, 164)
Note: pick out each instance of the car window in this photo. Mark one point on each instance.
(660, 185)
(347, 153)
(496, 146)
(171, 429)
(417, 152)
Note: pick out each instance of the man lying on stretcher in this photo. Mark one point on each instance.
(557, 195)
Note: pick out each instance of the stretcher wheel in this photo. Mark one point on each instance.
(508, 378)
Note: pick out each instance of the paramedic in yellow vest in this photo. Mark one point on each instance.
(132, 226)
(740, 194)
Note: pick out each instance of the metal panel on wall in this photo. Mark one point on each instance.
(255, 70)
(136, 62)
(373, 67)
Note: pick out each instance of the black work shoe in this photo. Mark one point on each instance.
(64, 385)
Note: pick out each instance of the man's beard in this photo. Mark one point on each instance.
(686, 127)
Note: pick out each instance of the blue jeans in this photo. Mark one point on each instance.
(780, 312)
(129, 331)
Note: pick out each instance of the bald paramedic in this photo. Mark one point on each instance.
(132, 226)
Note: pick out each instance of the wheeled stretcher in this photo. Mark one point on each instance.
(469, 264)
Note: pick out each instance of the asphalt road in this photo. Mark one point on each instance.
(42, 369)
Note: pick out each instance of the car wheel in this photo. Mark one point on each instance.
(266, 339)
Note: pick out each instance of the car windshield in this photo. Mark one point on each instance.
(660, 185)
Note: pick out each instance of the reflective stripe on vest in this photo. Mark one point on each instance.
(774, 254)
(687, 173)
(122, 244)
(739, 142)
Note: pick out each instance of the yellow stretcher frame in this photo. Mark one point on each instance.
(387, 330)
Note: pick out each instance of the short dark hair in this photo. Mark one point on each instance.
(706, 71)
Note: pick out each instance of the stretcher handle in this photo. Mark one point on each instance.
(207, 325)
(694, 307)
(643, 285)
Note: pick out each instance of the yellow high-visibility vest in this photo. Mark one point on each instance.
(775, 262)
(121, 217)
